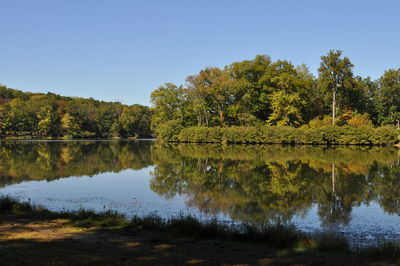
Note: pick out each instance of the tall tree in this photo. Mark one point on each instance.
(169, 107)
(253, 76)
(335, 76)
(388, 97)
(218, 86)
(135, 121)
(48, 121)
(69, 125)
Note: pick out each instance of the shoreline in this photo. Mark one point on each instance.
(396, 145)
(83, 226)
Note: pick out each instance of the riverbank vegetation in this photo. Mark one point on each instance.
(253, 95)
(140, 235)
(52, 115)
(330, 135)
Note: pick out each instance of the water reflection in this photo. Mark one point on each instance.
(253, 184)
(274, 183)
(51, 160)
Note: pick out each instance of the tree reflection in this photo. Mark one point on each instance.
(253, 184)
(274, 183)
(22, 161)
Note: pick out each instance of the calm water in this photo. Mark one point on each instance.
(353, 190)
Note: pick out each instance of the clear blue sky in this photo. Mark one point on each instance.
(122, 50)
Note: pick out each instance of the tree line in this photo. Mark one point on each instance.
(52, 115)
(277, 93)
(248, 93)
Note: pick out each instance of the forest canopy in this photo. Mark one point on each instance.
(52, 115)
(249, 93)
(277, 93)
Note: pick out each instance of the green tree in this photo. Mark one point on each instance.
(22, 119)
(4, 119)
(286, 109)
(135, 121)
(116, 129)
(365, 103)
(291, 91)
(388, 98)
(48, 121)
(108, 114)
(253, 77)
(70, 125)
(217, 86)
(168, 104)
(335, 77)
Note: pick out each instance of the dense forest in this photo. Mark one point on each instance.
(51, 115)
(262, 92)
(248, 94)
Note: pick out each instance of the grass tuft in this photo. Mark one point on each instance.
(332, 242)
(385, 250)
(85, 218)
(278, 235)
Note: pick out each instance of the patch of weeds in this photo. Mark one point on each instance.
(278, 235)
(11, 205)
(387, 250)
(151, 223)
(331, 242)
(325, 241)
(190, 226)
(85, 218)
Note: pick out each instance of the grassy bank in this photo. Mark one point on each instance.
(191, 238)
(327, 135)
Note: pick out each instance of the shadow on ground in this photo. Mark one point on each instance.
(36, 241)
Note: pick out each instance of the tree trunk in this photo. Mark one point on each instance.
(334, 107)
(333, 180)
(221, 117)
(205, 116)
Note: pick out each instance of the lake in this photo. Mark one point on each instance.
(352, 190)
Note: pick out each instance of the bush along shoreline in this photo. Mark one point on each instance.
(273, 235)
(327, 135)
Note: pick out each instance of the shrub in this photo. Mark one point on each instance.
(327, 135)
(11, 205)
(320, 122)
(360, 120)
(385, 135)
(168, 130)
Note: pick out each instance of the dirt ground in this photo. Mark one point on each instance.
(57, 242)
